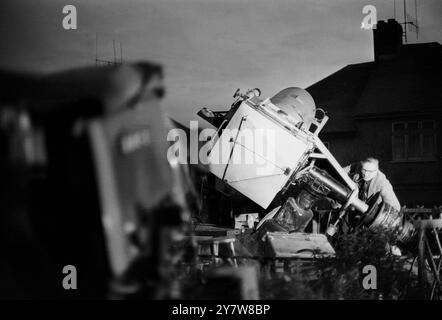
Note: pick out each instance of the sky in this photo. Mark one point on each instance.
(208, 48)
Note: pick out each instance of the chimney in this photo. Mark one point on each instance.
(387, 39)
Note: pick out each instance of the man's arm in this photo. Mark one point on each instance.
(388, 196)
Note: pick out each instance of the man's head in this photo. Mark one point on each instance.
(370, 167)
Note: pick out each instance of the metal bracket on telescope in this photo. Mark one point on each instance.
(215, 118)
(318, 124)
(233, 147)
(323, 149)
(316, 155)
(331, 230)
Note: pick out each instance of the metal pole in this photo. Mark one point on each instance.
(415, 13)
(96, 48)
(121, 53)
(115, 55)
(394, 9)
(405, 20)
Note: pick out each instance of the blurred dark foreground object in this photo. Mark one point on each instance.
(85, 180)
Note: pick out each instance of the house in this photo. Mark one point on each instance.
(390, 108)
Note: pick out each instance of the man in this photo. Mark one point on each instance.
(371, 180)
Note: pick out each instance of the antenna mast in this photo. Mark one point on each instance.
(394, 9)
(121, 53)
(105, 62)
(411, 23)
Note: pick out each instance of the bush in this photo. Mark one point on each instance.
(342, 277)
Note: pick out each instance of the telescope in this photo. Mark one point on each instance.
(270, 148)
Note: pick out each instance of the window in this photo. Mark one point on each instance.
(414, 140)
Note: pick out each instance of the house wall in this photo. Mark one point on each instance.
(415, 183)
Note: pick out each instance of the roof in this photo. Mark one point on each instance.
(409, 83)
(338, 94)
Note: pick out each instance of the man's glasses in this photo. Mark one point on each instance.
(369, 171)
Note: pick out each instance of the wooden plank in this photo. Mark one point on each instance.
(298, 245)
(212, 231)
